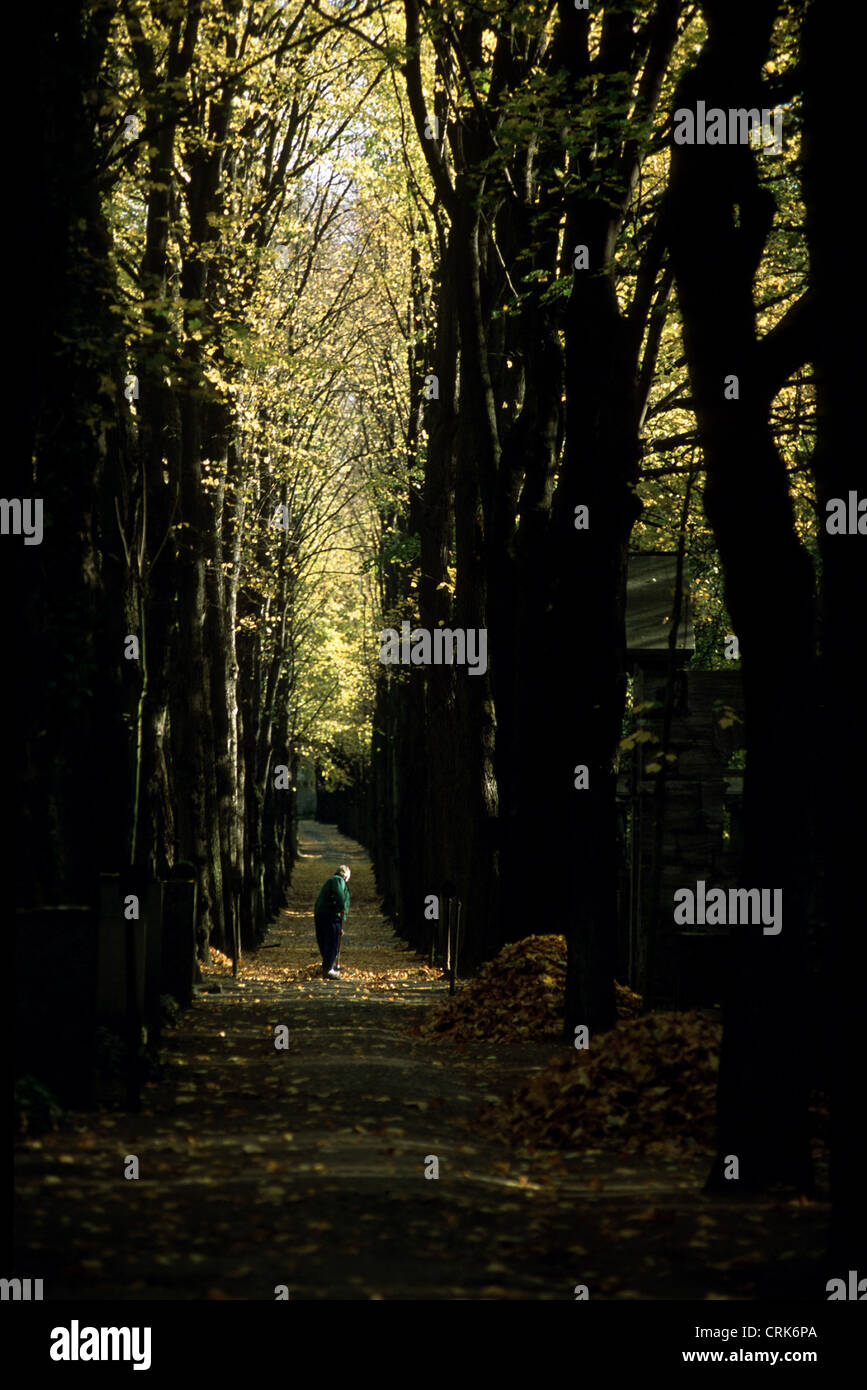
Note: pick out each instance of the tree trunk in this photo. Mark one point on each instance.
(839, 468)
(71, 749)
(763, 1086)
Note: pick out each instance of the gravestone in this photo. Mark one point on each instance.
(121, 965)
(179, 936)
(55, 999)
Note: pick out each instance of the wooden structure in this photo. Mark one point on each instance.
(682, 824)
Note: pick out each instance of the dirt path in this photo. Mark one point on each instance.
(305, 1167)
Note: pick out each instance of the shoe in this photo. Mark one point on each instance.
(330, 975)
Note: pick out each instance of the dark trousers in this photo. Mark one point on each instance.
(327, 937)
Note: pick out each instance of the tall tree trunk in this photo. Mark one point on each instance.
(587, 611)
(599, 472)
(436, 526)
(192, 739)
(476, 463)
(840, 468)
(72, 750)
(720, 219)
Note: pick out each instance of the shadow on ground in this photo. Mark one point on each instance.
(305, 1166)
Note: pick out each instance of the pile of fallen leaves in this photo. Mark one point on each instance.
(629, 1004)
(648, 1085)
(219, 964)
(517, 997)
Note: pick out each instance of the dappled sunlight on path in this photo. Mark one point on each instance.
(372, 958)
(306, 1166)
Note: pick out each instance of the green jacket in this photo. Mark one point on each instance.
(334, 896)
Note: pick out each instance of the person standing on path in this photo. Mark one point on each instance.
(329, 913)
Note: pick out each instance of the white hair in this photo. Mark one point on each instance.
(344, 869)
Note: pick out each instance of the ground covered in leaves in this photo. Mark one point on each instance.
(305, 1167)
(648, 1086)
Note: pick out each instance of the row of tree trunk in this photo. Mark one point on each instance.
(539, 410)
(162, 749)
(537, 413)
